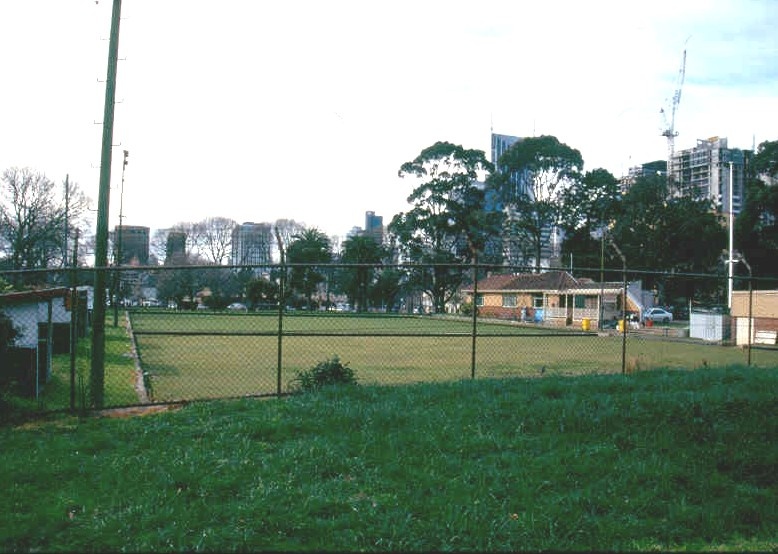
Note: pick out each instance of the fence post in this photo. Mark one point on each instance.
(73, 325)
(475, 315)
(281, 293)
(625, 325)
(750, 307)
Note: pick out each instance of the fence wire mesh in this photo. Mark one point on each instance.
(190, 333)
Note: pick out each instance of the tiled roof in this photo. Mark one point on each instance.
(530, 282)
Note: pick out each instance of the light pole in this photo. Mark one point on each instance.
(731, 261)
(117, 276)
(602, 271)
(741, 258)
(623, 306)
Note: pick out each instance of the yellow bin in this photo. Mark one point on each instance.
(621, 326)
(586, 324)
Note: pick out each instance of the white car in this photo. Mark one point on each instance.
(657, 315)
(237, 307)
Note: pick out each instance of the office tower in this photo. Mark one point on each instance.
(175, 247)
(252, 244)
(131, 244)
(374, 227)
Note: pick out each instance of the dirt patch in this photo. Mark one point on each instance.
(134, 411)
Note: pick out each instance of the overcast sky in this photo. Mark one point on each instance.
(259, 110)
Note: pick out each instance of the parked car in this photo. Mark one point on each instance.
(657, 315)
(237, 307)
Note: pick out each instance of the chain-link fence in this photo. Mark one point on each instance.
(188, 333)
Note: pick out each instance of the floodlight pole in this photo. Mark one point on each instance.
(623, 307)
(97, 374)
(117, 277)
(731, 261)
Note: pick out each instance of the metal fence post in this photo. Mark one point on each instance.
(475, 315)
(73, 325)
(624, 324)
(281, 300)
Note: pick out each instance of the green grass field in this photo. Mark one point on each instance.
(658, 460)
(411, 349)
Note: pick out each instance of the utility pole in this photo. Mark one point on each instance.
(97, 374)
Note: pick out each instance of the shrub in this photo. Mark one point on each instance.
(328, 372)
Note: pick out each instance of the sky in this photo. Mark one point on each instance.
(257, 110)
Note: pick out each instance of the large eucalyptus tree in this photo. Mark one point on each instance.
(448, 223)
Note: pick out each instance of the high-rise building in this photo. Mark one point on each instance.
(705, 172)
(252, 244)
(500, 143)
(133, 243)
(656, 168)
(175, 247)
(374, 227)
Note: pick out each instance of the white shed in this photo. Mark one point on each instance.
(35, 314)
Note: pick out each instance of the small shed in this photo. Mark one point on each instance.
(762, 307)
(42, 321)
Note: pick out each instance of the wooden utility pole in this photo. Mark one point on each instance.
(97, 375)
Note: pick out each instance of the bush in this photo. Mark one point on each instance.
(328, 372)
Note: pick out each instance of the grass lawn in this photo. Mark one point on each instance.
(119, 372)
(658, 460)
(196, 366)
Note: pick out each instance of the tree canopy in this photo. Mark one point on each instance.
(530, 183)
(309, 248)
(357, 280)
(36, 220)
(447, 223)
(756, 227)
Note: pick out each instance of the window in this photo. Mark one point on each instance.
(479, 299)
(537, 300)
(509, 301)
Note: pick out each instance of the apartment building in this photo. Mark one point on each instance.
(712, 170)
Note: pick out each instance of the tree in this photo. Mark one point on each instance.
(35, 220)
(590, 206)
(309, 249)
(287, 229)
(261, 293)
(448, 223)
(765, 162)
(213, 238)
(357, 282)
(662, 233)
(178, 283)
(164, 243)
(530, 184)
(756, 228)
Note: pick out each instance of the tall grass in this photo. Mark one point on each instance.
(657, 460)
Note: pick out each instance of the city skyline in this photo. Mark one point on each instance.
(261, 112)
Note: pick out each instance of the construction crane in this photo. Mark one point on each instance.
(669, 131)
